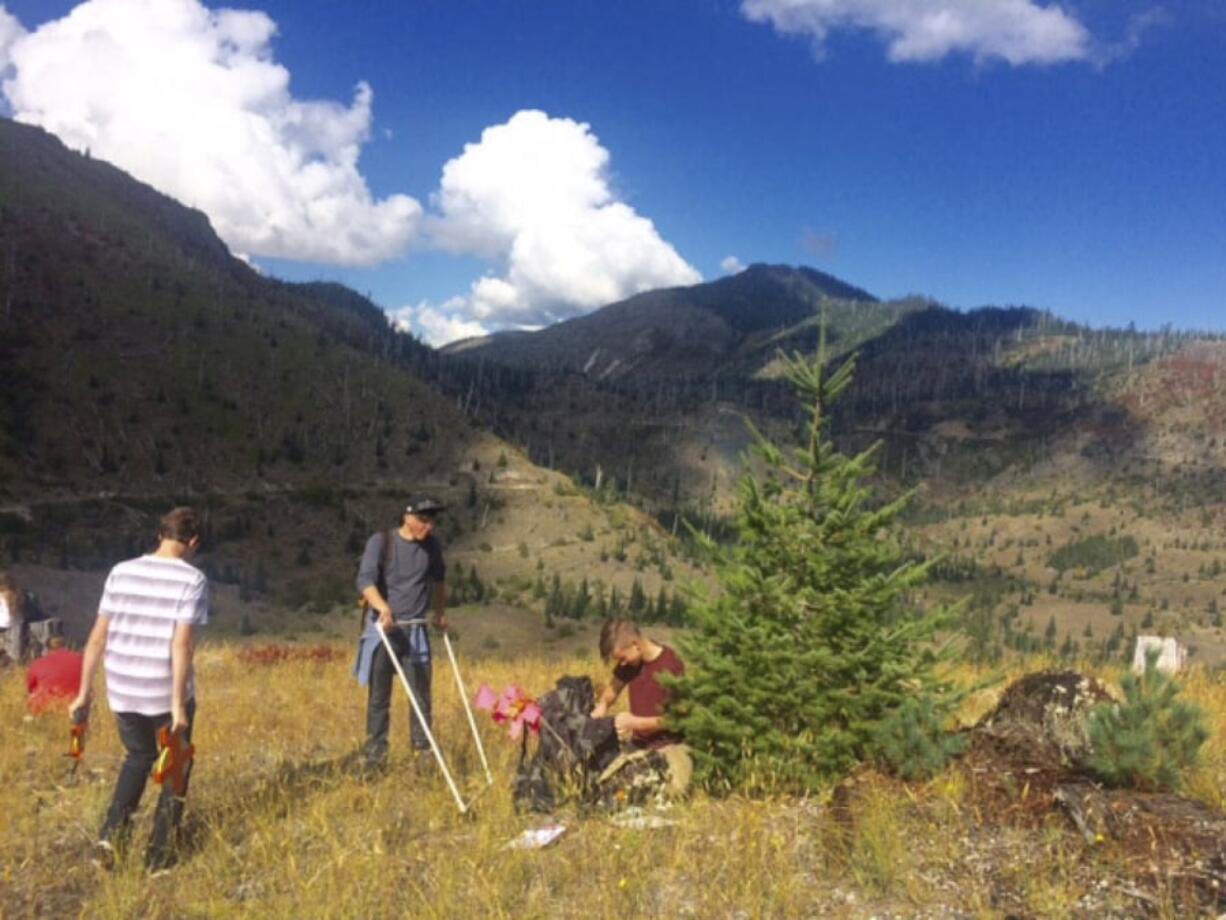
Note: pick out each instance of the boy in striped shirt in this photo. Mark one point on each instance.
(144, 633)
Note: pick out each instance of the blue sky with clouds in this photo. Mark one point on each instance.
(512, 163)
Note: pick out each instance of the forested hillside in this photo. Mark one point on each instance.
(141, 365)
(136, 348)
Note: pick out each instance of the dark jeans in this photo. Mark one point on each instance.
(378, 706)
(139, 735)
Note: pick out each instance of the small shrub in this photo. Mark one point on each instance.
(1151, 739)
(912, 741)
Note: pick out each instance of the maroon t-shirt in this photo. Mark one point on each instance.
(647, 697)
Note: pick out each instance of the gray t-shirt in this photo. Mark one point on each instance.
(412, 572)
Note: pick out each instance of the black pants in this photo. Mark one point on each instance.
(378, 706)
(139, 735)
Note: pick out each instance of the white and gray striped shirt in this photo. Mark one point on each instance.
(143, 600)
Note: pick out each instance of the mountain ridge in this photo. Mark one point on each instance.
(677, 330)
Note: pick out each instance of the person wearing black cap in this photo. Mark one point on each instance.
(400, 571)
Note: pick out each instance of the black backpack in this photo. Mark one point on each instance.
(32, 609)
(572, 751)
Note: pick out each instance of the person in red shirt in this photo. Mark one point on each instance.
(639, 661)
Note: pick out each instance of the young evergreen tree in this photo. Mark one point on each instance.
(1151, 739)
(555, 603)
(812, 642)
(582, 600)
(476, 587)
(638, 601)
(676, 610)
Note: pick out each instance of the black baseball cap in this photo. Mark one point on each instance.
(424, 505)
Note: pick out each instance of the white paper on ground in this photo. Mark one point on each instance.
(643, 822)
(537, 838)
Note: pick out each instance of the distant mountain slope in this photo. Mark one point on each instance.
(686, 331)
(651, 392)
(135, 348)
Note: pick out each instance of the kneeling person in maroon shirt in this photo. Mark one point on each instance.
(639, 662)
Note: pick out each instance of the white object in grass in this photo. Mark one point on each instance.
(1172, 656)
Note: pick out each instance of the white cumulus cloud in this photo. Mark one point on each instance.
(731, 265)
(1016, 31)
(437, 325)
(533, 198)
(10, 31)
(193, 102)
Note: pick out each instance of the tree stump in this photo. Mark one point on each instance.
(1026, 761)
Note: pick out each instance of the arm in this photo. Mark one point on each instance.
(181, 648)
(628, 724)
(644, 726)
(368, 577)
(94, 648)
(440, 606)
(608, 696)
(372, 597)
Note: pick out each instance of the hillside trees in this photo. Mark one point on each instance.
(592, 600)
(812, 644)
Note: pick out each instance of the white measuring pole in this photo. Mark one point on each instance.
(391, 652)
(472, 723)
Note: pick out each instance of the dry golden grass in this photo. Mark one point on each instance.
(277, 826)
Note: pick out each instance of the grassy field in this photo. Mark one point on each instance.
(279, 825)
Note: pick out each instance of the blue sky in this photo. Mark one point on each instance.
(1077, 165)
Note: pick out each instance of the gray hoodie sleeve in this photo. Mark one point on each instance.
(368, 569)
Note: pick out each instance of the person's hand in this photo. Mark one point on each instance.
(81, 702)
(178, 719)
(440, 621)
(385, 618)
(624, 723)
(601, 711)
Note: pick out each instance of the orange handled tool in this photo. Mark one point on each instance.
(76, 736)
(173, 761)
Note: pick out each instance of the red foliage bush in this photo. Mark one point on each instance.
(268, 655)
